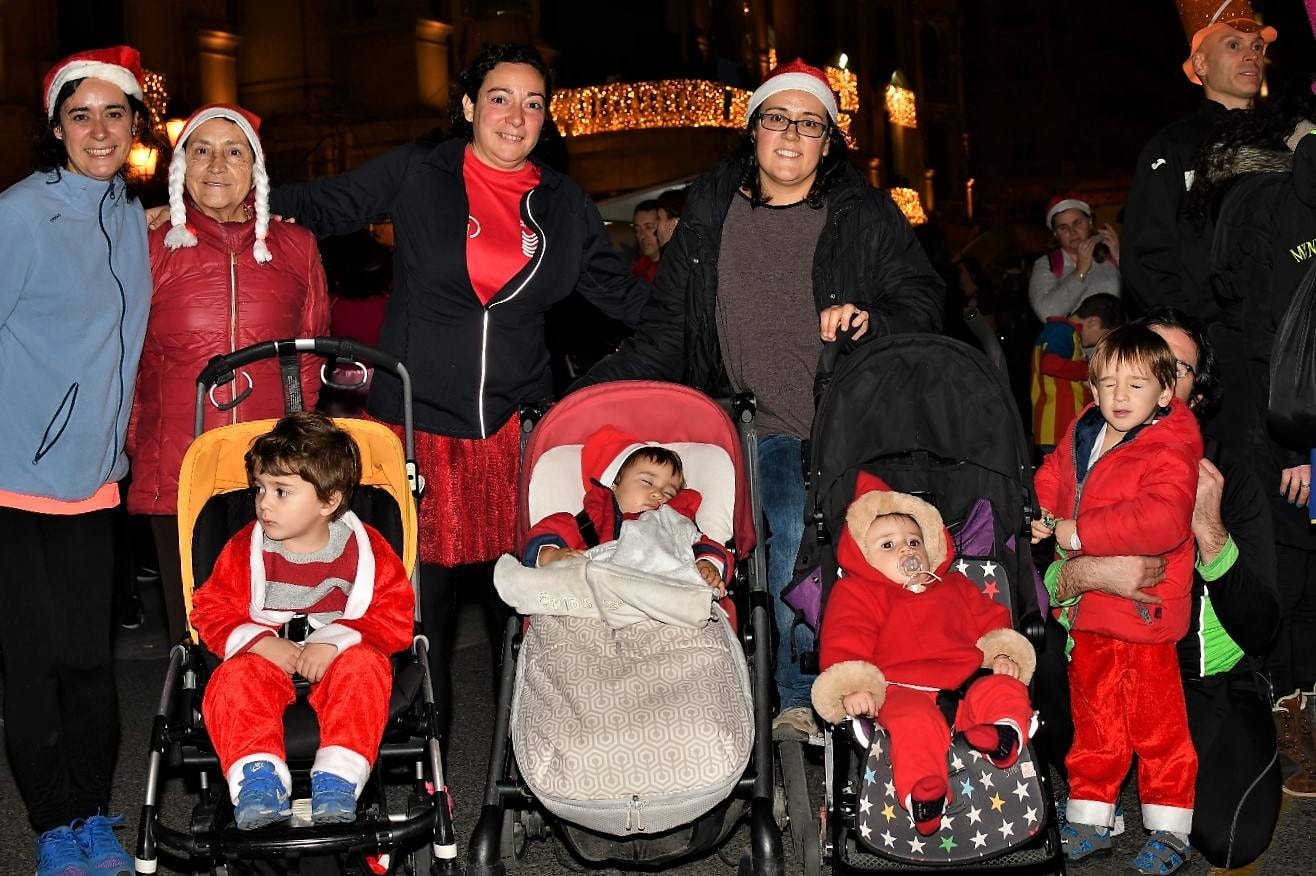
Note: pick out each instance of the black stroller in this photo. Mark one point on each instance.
(930, 416)
(412, 835)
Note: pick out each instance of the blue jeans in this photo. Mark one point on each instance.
(781, 481)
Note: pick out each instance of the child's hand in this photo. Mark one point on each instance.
(315, 659)
(553, 554)
(712, 577)
(1005, 665)
(280, 652)
(861, 702)
(1043, 527)
(1065, 533)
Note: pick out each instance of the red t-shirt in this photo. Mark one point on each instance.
(498, 243)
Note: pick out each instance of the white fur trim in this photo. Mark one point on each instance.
(120, 77)
(260, 182)
(840, 680)
(1067, 204)
(1012, 644)
(234, 774)
(344, 763)
(341, 637)
(877, 503)
(242, 635)
(1094, 812)
(794, 81)
(1175, 819)
(609, 475)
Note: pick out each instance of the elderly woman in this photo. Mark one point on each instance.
(1084, 262)
(1235, 612)
(778, 248)
(488, 237)
(225, 277)
(74, 290)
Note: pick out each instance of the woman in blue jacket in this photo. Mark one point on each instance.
(75, 286)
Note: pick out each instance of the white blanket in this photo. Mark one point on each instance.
(648, 572)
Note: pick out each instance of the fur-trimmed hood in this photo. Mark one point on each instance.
(873, 499)
(1249, 159)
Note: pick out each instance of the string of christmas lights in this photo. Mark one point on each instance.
(900, 106)
(156, 98)
(910, 204)
(668, 103)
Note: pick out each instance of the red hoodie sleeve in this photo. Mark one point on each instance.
(221, 607)
(850, 625)
(1046, 481)
(315, 323)
(555, 530)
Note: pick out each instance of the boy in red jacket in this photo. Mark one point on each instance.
(644, 477)
(306, 554)
(900, 625)
(1123, 482)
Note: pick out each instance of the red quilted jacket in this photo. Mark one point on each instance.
(1136, 501)
(209, 299)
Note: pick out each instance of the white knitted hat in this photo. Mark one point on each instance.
(182, 236)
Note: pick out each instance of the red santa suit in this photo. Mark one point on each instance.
(1127, 696)
(357, 597)
(904, 646)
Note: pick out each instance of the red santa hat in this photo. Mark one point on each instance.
(795, 76)
(605, 452)
(121, 66)
(873, 499)
(1061, 203)
(179, 234)
(1201, 18)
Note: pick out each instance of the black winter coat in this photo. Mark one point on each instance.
(867, 256)
(471, 365)
(1164, 258)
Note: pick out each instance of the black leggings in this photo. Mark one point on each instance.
(1238, 774)
(61, 713)
(439, 586)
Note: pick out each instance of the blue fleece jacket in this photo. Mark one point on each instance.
(75, 287)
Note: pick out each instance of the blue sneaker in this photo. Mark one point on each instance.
(1079, 841)
(105, 855)
(333, 799)
(262, 799)
(1164, 853)
(59, 854)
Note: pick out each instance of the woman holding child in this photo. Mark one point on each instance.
(488, 238)
(75, 285)
(780, 247)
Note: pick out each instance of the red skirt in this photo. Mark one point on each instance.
(468, 508)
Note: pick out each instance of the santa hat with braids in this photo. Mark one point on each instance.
(182, 236)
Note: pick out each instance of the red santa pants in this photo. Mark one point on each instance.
(918, 731)
(1125, 698)
(247, 695)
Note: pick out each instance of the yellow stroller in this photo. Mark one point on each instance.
(414, 836)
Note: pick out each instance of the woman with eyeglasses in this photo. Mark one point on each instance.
(780, 247)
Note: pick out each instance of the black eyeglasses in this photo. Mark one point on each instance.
(1182, 369)
(806, 127)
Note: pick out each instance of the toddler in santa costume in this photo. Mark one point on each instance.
(900, 626)
(306, 554)
(1123, 482)
(643, 477)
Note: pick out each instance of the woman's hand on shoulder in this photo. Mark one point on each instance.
(156, 216)
(840, 317)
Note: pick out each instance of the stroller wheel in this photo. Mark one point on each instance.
(512, 844)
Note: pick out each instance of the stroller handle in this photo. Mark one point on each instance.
(224, 368)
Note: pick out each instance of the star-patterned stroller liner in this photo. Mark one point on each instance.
(992, 810)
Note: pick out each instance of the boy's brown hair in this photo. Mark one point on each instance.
(657, 455)
(310, 445)
(1134, 344)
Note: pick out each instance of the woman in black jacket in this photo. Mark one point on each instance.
(487, 239)
(779, 247)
